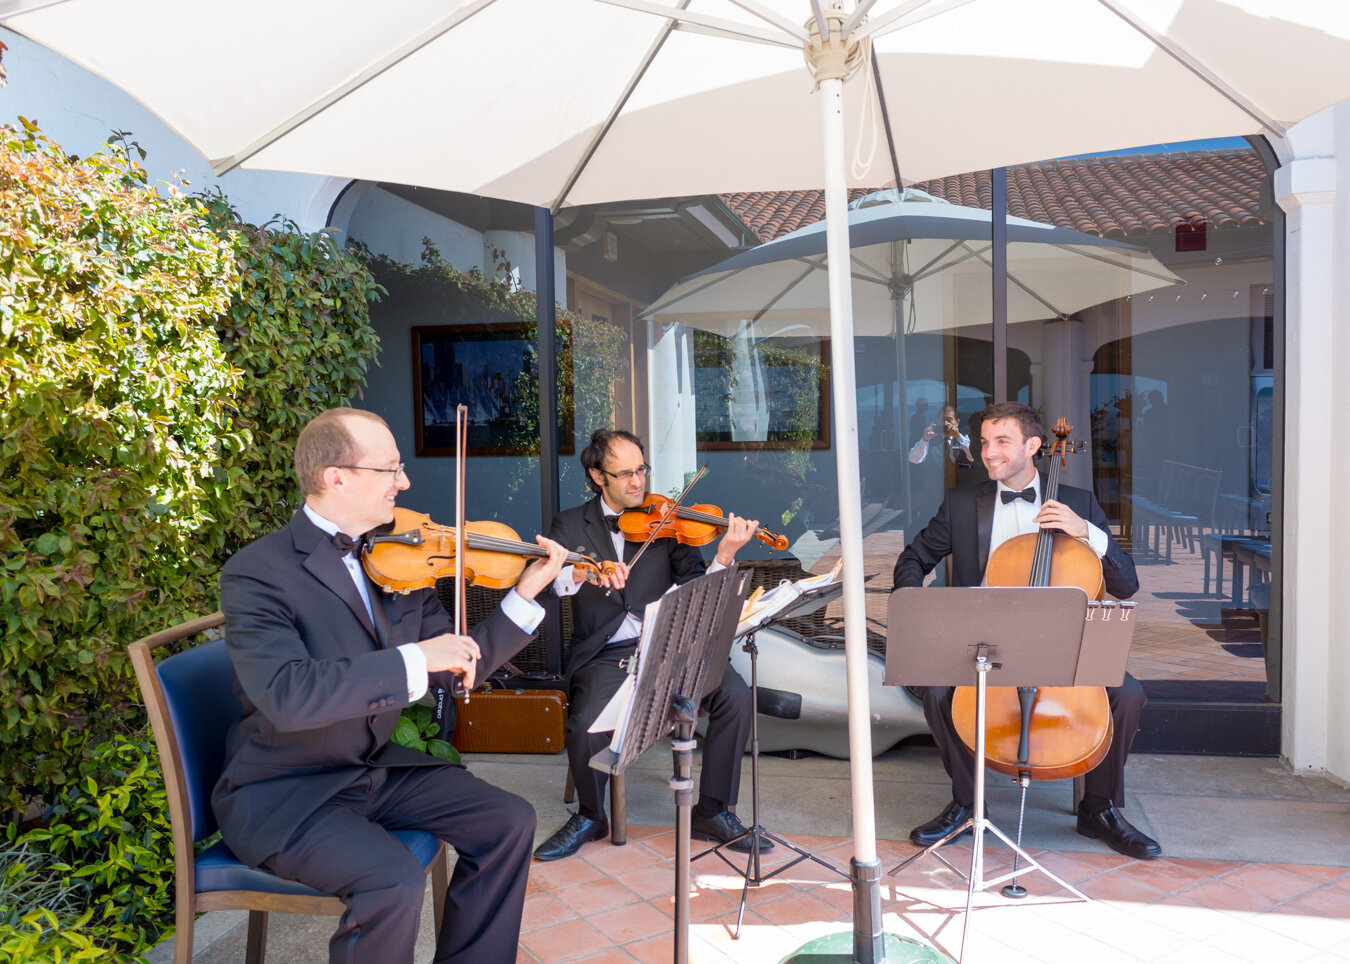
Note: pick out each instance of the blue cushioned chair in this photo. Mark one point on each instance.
(190, 699)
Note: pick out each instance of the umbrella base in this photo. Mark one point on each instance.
(838, 949)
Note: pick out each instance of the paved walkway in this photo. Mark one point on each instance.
(1257, 869)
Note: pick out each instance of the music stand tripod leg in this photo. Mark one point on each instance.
(752, 874)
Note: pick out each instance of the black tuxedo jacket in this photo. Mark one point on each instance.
(595, 615)
(320, 695)
(964, 524)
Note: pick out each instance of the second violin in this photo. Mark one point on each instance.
(694, 525)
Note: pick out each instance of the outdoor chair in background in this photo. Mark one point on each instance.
(189, 696)
(1182, 507)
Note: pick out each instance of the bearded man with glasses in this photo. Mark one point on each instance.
(607, 621)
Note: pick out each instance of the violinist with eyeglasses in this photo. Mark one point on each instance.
(607, 620)
(324, 662)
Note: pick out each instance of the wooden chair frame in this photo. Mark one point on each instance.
(189, 902)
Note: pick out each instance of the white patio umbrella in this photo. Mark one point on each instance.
(557, 102)
(918, 263)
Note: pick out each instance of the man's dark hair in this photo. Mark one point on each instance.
(1028, 419)
(602, 439)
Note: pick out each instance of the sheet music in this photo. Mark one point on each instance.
(760, 608)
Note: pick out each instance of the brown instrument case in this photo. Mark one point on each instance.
(499, 718)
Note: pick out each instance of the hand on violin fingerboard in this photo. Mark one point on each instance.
(610, 579)
(541, 572)
(739, 532)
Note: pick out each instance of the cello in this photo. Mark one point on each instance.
(1046, 732)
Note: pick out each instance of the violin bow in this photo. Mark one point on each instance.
(461, 444)
(668, 514)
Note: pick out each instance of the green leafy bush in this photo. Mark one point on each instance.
(157, 357)
(113, 422)
(98, 875)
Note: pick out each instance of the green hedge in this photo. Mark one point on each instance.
(157, 357)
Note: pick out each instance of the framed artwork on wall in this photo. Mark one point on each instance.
(761, 395)
(493, 370)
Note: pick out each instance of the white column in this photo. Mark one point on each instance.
(1316, 732)
(670, 438)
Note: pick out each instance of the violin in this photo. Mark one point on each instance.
(414, 552)
(695, 525)
(1045, 732)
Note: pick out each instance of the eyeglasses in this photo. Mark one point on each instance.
(395, 472)
(628, 474)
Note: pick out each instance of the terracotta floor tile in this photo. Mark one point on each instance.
(555, 874)
(563, 942)
(1271, 881)
(613, 861)
(655, 880)
(1120, 885)
(1167, 876)
(544, 910)
(797, 908)
(1323, 875)
(635, 922)
(1221, 895)
(1328, 900)
(596, 895)
(525, 957)
(612, 955)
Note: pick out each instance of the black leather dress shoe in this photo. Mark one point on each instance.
(723, 827)
(568, 838)
(927, 834)
(1118, 834)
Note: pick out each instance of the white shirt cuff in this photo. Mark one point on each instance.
(713, 567)
(566, 583)
(415, 665)
(1098, 540)
(525, 613)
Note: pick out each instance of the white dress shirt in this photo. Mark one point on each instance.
(525, 613)
(566, 584)
(1018, 517)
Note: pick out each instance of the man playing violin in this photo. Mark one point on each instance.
(323, 664)
(973, 521)
(607, 621)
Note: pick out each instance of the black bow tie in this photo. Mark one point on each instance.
(345, 544)
(612, 523)
(1029, 493)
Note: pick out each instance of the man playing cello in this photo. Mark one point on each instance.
(972, 522)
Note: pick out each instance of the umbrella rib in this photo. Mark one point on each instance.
(226, 164)
(885, 118)
(16, 8)
(657, 43)
(894, 20)
(702, 23)
(1183, 57)
(855, 18)
(779, 21)
(1015, 280)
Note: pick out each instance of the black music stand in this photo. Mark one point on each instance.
(682, 656)
(1024, 636)
(807, 602)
